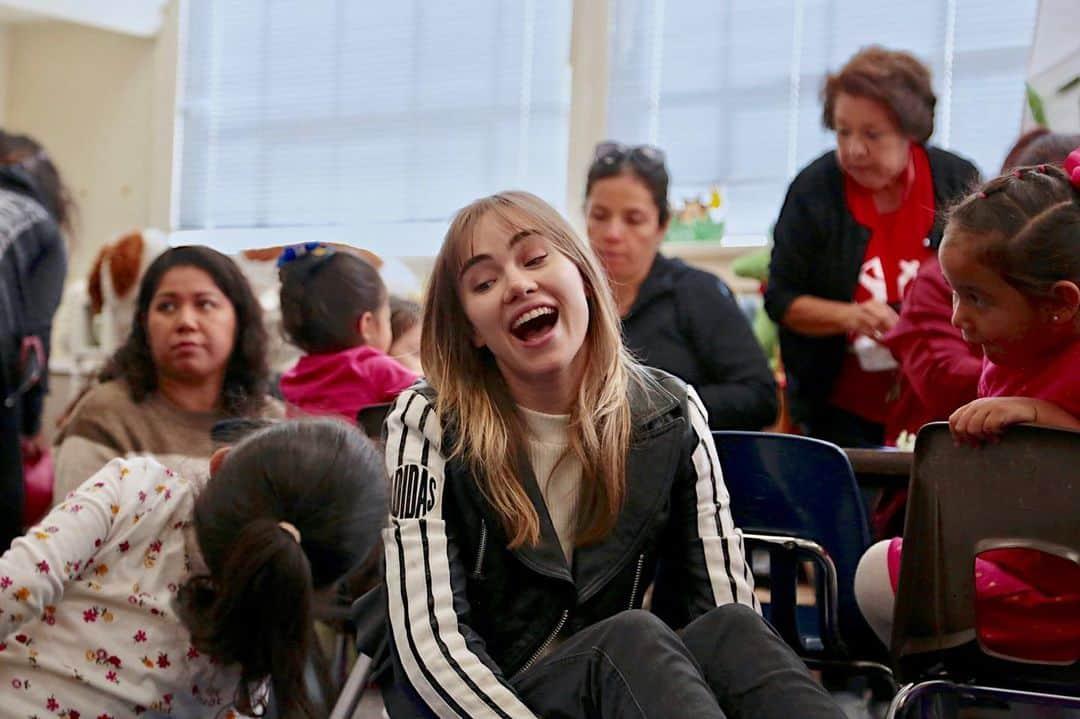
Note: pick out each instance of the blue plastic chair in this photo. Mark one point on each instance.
(797, 499)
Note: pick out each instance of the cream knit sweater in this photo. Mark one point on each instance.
(557, 470)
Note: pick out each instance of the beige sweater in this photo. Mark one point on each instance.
(557, 470)
(107, 423)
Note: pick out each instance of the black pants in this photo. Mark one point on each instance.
(11, 474)
(727, 663)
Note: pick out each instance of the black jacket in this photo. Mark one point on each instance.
(466, 613)
(33, 262)
(818, 250)
(686, 322)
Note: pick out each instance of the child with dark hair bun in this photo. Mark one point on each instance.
(146, 591)
(335, 307)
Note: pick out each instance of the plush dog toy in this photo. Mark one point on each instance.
(114, 282)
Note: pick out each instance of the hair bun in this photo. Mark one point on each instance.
(1072, 168)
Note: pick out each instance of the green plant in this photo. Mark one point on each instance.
(1035, 103)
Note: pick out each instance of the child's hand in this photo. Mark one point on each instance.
(985, 419)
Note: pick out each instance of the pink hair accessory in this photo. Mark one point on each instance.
(1072, 167)
(982, 195)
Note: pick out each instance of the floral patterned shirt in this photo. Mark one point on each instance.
(87, 625)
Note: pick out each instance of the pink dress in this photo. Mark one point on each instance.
(1027, 603)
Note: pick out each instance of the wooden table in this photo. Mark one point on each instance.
(881, 467)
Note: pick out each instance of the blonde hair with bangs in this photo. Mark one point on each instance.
(474, 398)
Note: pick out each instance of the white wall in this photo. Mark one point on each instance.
(5, 65)
(1055, 60)
(101, 104)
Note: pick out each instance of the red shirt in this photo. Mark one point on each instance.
(898, 245)
(1055, 379)
(1028, 603)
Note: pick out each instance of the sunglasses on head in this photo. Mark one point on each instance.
(645, 157)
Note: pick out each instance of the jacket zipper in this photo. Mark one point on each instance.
(637, 580)
(480, 554)
(547, 642)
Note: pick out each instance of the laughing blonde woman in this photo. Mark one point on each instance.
(542, 482)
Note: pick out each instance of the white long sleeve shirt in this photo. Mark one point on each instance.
(87, 625)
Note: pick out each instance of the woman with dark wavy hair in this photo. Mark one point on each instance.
(196, 354)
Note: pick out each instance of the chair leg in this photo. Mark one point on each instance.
(911, 696)
(1018, 696)
(353, 690)
(879, 674)
(910, 699)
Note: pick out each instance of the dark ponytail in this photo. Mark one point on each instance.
(323, 480)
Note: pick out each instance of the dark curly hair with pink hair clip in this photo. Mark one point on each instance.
(1026, 225)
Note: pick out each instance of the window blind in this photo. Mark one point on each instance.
(731, 90)
(380, 119)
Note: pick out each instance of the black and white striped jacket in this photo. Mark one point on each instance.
(466, 613)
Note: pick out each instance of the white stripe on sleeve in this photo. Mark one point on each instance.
(725, 556)
(450, 678)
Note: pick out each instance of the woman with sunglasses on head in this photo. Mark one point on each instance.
(855, 226)
(542, 482)
(676, 318)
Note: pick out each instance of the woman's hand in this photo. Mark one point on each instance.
(870, 318)
(817, 317)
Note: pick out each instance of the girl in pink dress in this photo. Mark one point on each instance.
(1011, 254)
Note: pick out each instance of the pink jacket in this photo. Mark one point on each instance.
(343, 383)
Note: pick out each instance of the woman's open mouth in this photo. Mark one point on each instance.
(534, 324)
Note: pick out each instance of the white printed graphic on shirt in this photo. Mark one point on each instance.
(872, 279)
(908, 270)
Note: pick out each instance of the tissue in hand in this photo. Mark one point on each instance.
(873, 356)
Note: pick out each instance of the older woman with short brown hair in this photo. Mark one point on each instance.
(854, 227)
